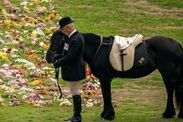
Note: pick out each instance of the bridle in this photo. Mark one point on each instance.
(56, 71)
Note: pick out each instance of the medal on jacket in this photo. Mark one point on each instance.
(66, 46)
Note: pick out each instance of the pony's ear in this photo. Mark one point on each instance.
(52, 37)
(55, 34)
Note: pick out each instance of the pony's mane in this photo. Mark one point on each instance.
(91, 37)
(94, 37)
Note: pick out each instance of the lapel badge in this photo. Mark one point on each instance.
(66, 46)
(141, 61)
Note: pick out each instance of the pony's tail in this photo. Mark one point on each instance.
(179, 87)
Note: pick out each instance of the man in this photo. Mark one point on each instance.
(72, 64)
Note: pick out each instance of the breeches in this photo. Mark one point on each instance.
(74, 87)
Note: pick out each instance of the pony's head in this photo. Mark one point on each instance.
(55, 46)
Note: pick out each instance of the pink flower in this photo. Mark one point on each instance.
(34, 41)
(6, 1)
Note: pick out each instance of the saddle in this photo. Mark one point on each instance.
(122, 53)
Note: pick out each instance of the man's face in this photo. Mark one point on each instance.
(65, 30)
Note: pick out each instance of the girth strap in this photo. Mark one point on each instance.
(122, 54)
(101, 42)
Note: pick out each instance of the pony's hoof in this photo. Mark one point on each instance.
(168, 114)
(102, 114)
(109, 117)
(180, 115)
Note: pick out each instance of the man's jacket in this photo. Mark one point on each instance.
(72, 63)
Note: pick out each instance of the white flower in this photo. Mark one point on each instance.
(38, 32)
(8, 36)
(25, 3)
(41, 44)
(46, 68)
(1, 102)
(26, 63)
(89, 104)
(53, 80)
(65, 102)
(2, 41)
(29, 25)
(46, 1)
(1, 81)
(3, 87)
(15, 55)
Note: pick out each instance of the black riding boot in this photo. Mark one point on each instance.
(77, 109)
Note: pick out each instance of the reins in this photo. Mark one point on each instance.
(57, 77)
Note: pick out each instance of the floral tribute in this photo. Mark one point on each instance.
(25, 77)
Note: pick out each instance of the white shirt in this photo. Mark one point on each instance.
(72, 33)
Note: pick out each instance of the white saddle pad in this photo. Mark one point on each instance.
(124, 42)
(127, 44)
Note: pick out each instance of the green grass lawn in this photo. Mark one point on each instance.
(135, 100)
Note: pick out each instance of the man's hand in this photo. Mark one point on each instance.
(56, 64)
(57, 57)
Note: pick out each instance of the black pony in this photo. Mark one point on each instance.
(164, 54)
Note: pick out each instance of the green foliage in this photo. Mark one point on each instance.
(125, 18)
(168, 3)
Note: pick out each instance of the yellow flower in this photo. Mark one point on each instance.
(52, 16)
(42, 91)
(34, 1)
(21, 68)
(17, 26)
(30, 20)
(31, 4)
(25, 9)
(46, 46)
(33, 103)
(37, 82)
(48, 30)
(54, 28)
(8, 23)
(4, 57)
(32, 57)
(1, 102)
(34, 35)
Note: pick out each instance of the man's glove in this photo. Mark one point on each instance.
(56, 64)
(57, 56)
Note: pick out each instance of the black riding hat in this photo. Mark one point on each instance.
(65, 21)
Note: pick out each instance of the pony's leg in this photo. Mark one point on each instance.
(180, 115)
(108, 112)
(170, 110)
(179, 95)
